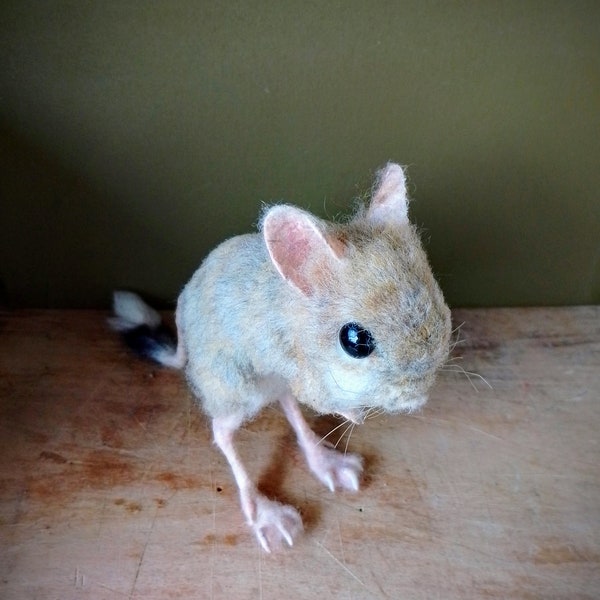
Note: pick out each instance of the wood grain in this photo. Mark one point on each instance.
(111, 487)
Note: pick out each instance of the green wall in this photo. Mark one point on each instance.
(134, 136)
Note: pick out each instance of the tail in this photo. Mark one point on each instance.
(144, 332)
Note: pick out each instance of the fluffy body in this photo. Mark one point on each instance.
(266, 330)
(259, 322)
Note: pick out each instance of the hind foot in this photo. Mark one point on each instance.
(334, 469)
(274, 523)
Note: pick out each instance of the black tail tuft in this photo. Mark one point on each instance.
(151, 342)
(144, 332)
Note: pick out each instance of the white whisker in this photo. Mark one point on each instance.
(374, 413)
(457, 329)
(350, 426)
(348, 440)
(332, 431)
(453, 358)
(467, 374)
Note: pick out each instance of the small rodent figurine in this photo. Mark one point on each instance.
(344, 318)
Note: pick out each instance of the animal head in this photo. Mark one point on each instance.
(374, 327)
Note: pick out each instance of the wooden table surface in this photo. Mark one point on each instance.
(111, 486)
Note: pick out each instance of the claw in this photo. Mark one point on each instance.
(286, 535)
(263, 541)
(275, 523)
(328, 480)
(351, 479)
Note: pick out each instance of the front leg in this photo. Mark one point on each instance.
(271, 521)
(333, 468)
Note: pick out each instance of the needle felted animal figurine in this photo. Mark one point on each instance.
(343, 318)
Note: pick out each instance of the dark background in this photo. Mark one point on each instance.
(134, 136)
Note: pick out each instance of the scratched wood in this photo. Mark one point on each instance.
(111, 487)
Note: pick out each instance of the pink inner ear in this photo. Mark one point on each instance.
(389, 204)
(296, 246)
(293, 253)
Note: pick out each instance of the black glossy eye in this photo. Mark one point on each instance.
(356, 341)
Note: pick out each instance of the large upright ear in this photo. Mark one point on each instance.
(299, 247)
(389, 204)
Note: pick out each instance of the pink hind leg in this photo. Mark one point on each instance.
(271, 521)
(333, 468)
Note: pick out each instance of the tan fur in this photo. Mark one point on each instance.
(260, 321)
(241, 321)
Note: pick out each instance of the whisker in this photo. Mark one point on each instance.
(457, 328)
(456, 369)
(481, 377)
(455, 343)
(458, 340)
(332, 431)
(365, 412)
(374, 413)
(348, 440)
(467, 374)
(350, 426)
(453, 358)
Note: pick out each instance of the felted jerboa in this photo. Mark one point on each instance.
(344, 318)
